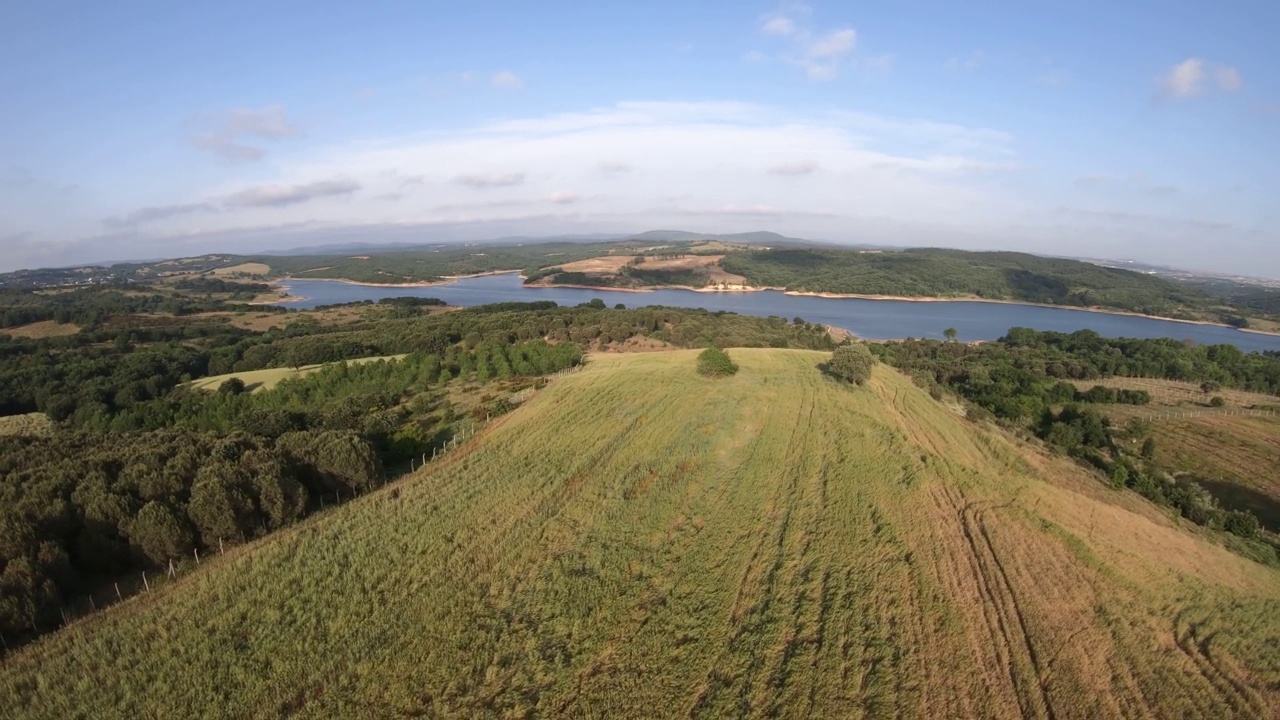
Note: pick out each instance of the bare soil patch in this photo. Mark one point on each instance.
(246, 268)
(42, 329)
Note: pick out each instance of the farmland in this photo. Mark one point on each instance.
(638, 540)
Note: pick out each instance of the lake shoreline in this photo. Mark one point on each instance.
(452, 279)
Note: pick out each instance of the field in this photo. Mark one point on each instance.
(43, 329)
(248, 268)
(1172, 393)
(639, 541)
(1236, 456)
(28, 425)
(255, 380)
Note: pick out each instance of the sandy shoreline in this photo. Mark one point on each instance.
(449, 280)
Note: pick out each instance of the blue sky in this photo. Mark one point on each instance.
(1107, 129)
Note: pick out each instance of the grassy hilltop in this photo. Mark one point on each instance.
(639, 541)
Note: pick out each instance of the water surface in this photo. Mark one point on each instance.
(870, 319)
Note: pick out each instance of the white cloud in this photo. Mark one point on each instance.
(1229, 79)
(778, 25)
(161, 212)
(561, 197)
(223, 134)
(1195, 76)
(492, 180)
(507, 80)
(819, 54)
(795, 167)
(613, 167)
(282, 195)
(710, 166)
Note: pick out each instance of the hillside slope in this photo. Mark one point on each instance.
(639, 541)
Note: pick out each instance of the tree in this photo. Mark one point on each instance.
(231, 386)
(159, 534)
(850, 363)
(714, 362)
(950, 334)
(1149, 449)
(1218, 401)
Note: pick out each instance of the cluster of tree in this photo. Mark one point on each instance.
(90, 306)
(1019, 375)
(628, 276)
(1020, 381)
(218, 286)
(73, 378)
(936, 272)
(1088, 436)
(81, 509)
(714, 362)
(851, 363)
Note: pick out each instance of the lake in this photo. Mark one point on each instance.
(869, 319)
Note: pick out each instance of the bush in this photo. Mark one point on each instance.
(850, 363)
(714, 362)
(1217, 401)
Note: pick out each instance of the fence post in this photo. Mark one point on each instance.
(118, 595)
(196, 552)
(145, 584)
(219, 546)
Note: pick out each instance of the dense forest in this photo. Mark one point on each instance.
(946, 273)
(1021, 381)
(141, 468)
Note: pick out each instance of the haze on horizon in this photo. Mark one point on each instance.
(1144, 131)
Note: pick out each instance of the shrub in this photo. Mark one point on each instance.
(850, 363)
(1217, 401)
(714, 362)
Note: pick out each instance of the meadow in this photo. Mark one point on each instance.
(638, 540)
(257, 380)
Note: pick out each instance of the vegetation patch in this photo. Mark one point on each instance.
(714, 362)
(850, 364)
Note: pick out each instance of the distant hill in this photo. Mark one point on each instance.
(639, 541)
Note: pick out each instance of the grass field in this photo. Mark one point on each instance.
(28, 425)
(256, 380)
(639, 541)
(42, 329)
(1238, 458)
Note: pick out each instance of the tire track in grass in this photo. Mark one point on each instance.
(1232, 692)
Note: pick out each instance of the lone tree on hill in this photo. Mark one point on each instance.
(232, 386)
(950, 334)
(714, 362)
(850, 363)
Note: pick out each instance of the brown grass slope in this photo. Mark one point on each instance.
(639, 541)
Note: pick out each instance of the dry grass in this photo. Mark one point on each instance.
(709, 264)
(42, 329)
(1173, 393)
(609, 265)
(257, 380)
(28, 425)
(251, 268)
(638, 541)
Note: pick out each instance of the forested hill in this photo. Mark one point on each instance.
(931, 272)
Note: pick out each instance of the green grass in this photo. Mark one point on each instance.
(256, 380)
(640, 541)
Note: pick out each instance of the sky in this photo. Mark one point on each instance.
(1120, 129)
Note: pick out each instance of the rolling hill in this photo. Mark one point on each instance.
(639, 541)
